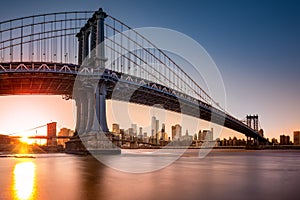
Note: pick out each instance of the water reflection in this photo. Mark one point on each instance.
(221, 175)
(24, 180)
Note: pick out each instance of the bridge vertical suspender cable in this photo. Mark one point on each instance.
(21, 46)
(75, 40)
(2, 44)
(181, 77)
(65, 40)
(11, 43)
(27, 130)
(44, 41)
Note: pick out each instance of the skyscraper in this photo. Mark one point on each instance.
(115, 128)
(157, 126)
(199, 135)
(163, 127)
(176, 132)
(173, 129)
(134, 128)
(207, 135)
(296, 137)
(131, 132)
(153, 126)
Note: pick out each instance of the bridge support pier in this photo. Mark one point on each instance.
(78, 116)
(94, 135)
(90, 102)
(101, 107)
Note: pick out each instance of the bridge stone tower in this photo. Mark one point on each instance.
(252, 121)
(91, 124)
(91, 43)
(51, 134)
(91, 35)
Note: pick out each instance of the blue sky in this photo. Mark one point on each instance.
(255, 44)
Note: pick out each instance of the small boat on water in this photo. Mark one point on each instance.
(24, 156)
(16, 156)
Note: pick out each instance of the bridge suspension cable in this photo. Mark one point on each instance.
(50, 38)
(147, 61)
(41, 38)
(31, 129)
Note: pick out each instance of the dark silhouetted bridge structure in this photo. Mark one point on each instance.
(65, 53)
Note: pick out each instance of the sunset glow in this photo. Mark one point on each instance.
(24, 178)
(21, 113)
(26, 140)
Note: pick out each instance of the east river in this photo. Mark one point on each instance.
(222, 174)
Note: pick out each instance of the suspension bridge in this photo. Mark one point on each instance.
(66, 53)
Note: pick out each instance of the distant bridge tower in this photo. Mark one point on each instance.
(51, 134)
(252, 121)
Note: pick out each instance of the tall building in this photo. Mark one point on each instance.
(162, 135)
(206, 135)
(116, 128)
(163, 127)
(64, 132)
(284, 140)
(202, 135)
(122, 133)
(199, 135)
(157, 126)
(141, 131)
(296, 137)
(131, 132)
(134, 127)
(274, 141)
(195, 137)
(153, 126)
(173, 131)
(176, 132)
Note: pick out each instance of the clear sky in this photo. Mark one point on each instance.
(255, 44)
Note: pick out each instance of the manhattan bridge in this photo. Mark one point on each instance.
(54, 53)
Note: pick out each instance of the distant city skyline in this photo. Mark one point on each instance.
(255, 46)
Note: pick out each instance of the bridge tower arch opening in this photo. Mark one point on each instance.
(252, 121)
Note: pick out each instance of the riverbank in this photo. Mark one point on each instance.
(35, 149)
(29, 149)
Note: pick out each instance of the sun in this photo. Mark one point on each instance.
(26, 140)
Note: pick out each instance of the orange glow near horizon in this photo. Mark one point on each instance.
(26, 140)
(20, 113)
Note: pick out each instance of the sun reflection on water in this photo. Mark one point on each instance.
(24, 180)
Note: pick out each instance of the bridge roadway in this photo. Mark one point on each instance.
(58, 79)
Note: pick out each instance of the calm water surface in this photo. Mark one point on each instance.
(221, 175)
